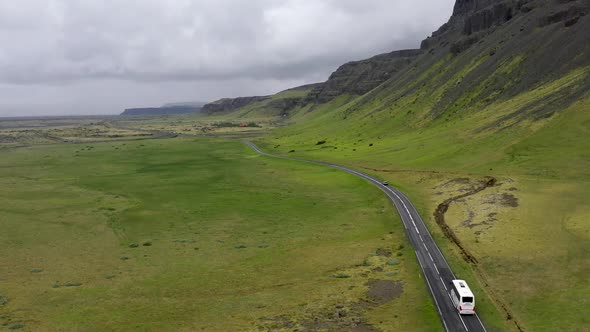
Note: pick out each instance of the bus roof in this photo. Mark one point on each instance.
(462, 288)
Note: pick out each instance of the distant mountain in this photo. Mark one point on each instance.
(166, 109)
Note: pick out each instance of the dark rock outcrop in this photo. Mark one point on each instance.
(569, 15)
(360, 77)
(488, 17)
(535, 41)
(475, 17)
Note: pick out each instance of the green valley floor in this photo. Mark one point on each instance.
(193, 234)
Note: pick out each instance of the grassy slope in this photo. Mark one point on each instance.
(265, 108)
(538, 245)
(73, 210)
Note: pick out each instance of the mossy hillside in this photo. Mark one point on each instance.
(540, 155)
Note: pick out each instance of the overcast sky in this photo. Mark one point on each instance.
(101, 56)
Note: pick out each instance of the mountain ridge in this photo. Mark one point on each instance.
(533, 41)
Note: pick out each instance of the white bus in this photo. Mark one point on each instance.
(462, 297)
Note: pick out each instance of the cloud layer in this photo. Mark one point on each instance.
(76, 43)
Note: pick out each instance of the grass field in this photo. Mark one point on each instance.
(198, 234)
(530, 233)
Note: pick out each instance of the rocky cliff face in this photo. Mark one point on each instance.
(488, 51)
(360, 77)
(520, 43)
(473, 19)
(231, 104)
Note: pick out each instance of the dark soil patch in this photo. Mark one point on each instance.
(442, 208)
(384, 291)
(383, 252)
(491, 219)
(509, 200)
(469, 222)
(503, 199)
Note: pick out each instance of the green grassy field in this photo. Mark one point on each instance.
(531, 252)
(196, 234)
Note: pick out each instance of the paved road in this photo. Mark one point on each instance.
(434, 266)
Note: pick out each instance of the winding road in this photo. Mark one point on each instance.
(434, 265)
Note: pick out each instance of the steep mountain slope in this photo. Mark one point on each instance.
(489, 51)
(281, 104)
(502, 89)
(496, 65)
(359, 77)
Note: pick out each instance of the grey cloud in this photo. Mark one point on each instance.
(56, 42)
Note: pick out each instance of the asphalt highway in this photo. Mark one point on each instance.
(435, 268)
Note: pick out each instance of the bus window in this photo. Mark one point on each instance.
(467, 299)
